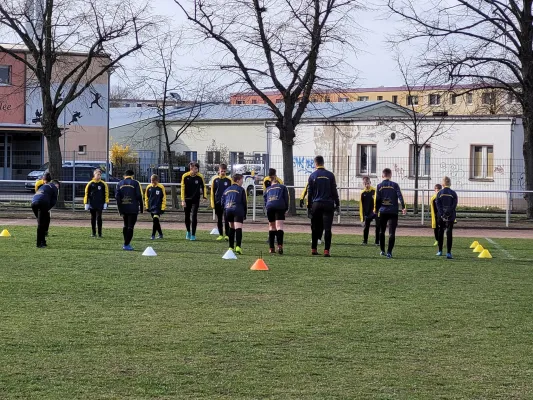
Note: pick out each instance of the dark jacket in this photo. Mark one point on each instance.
(96, 194)
(388, 194)
(46, 196)
(193, 187)
(267, 182)
(234, 200)
(322, 188)
(276, 197)
(155, 198)
(446, 204)
(366, 203)
(218, 187)
(129, 196)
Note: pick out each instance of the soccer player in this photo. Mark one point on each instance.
(446, 209)
(366, 210)
(302, 204)
(323, 201)
(130, 202)
(433, 209)
(96, 199)
(277, 204)
(220, 184)
(42, 181)
(388, 194)
(192, 189)
(155, 201)
(270, 178)
(43, 201)
(235, 207)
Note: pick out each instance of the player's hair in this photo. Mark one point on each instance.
(155, 176)
(387, 172)
(272, 172)
(222, 166)
(366, 179)
(319, 161)
(237, 177)
(97, 170)
(438, 186)
(194, 164)
(129, 172)
(47, 177)
(447, 181)
(56, 182)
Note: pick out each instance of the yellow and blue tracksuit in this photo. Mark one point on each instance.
(192, 190)
(446, 202)
(434, 219)
(43, 201)
(388, 194)
(234, 204)
(276, 197)
(218, 187)
(38, 184)
(366, 212)
(130, 201)
(267, 182)
(96, 194)
(155, 201)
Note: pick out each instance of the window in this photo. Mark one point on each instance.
(127, 105)
(395, 99)
(367, 159)
(191, 155)
(453, 98)
(212, 157)
(424, 162)
(488, 98)
(278, 101)
(380, 97)
(469, 98)
(512, 98)
(82, 149)
(434, 99)
(362, 98)
(5, 74)
(327, 99)
(412, 100)
(240, 102)
(343, 99)
(236, 157)
(482, 162)
(254, 101)
(139, 105)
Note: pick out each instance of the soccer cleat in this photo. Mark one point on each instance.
(99, 236)
(272, 251)
(449, 256)
(376, 244)
(160, 237)
(188, 236)
(93, 235)
(40, 246)
(127, 248)
(439, 253)
(153, 237)
(389, 255)
(314, 252)
(364, 243)
(280, 250)
(43, 244)
(226, 238)
(192, 237)
(220, 238)
(381, 253)
(238, 250)
(436, 243)
(326, 253)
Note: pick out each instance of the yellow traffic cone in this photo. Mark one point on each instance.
(485, 254)
(478, 249)
(474, 244)
(5, 233)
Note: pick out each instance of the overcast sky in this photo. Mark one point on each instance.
(374, 62)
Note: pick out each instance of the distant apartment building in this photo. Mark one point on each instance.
(438, 99)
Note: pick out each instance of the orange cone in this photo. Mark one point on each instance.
(259, 265)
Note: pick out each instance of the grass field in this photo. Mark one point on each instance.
(84, 320)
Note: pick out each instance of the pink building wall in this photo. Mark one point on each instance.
(12, 96)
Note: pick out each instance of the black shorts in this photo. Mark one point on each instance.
(274, 215)
(232, 216)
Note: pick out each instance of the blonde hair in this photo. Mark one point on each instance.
(447, 181)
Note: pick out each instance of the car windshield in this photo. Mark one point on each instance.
(44, 166)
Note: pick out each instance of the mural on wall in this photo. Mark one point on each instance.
(303, 165)
(455, 171)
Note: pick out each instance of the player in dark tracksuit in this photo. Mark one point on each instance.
(277, 204)
(96, 199)
(323, 201)
(43, 201)
(446, 211)
(235, 207)
(192, 190)
(130, 202)
(155, 201)
(434, 216)
(302, 204)
(219, 185)
(366, 210)
(388, 194)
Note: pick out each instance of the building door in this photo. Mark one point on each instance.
(5, 156)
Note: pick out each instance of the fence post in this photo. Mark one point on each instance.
(423, 201)
(73, 180)
(340, 208)
(254, 202)
(508, 210)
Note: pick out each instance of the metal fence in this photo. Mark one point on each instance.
(499, 204)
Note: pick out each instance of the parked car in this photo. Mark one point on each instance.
(253, 175)
(36, 175)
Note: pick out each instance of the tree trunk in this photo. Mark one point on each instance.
(52, 133)
(288, 173)
(417, 164)
(528, 157)
(173, 190)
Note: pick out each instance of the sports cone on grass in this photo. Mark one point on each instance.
(229, 255)
(474, 244)
(5, 233)
(259, 265)
(149, 252)
(478, 249)
(485, 254)
(214, 231)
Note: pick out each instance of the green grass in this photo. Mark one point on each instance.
(84, 320)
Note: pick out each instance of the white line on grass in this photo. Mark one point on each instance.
(507, 254)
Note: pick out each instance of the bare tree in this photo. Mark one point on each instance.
(118, 93)
(67, 47)
(291, 46)
(467, 41)
(424, 120)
